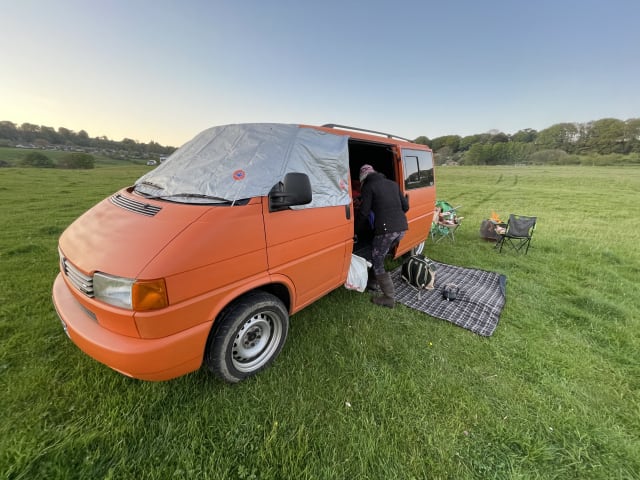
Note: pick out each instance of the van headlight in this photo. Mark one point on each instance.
(129, 293)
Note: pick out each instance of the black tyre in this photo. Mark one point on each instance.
(247, 336)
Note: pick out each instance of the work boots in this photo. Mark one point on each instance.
(388, 291)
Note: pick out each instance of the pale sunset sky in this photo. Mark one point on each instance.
(165, 70)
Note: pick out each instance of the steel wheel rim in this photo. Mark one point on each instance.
(256, 342)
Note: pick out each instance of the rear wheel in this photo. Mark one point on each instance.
(417, 250)
(250, 334)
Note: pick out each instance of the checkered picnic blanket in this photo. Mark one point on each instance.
(477, 307)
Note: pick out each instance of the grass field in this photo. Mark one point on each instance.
(14, 156)
(359, 392)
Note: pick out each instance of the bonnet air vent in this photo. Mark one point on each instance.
(134, 206)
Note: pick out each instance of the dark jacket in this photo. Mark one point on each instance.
(382, 197)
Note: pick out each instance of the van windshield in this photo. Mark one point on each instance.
(234, 162)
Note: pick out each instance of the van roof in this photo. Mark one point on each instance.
(364, 130)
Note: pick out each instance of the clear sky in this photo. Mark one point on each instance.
(165, 70)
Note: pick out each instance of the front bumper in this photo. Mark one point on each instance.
(146, 359)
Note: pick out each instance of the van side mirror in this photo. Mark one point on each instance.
(294, 190)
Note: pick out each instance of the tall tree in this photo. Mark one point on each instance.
(563, 136)
(49, 134)
(607, 136)
(451, 141)
(528, 135)
(499, 138)
(8, 131)
(467, 142)
(632, 134)
(82, 139)
(66, 135)
(29, 132)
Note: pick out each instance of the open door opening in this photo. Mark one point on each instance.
(382, 158)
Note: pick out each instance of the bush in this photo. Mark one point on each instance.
(551, 157)
(37, 159)
(77, 161)
(611, 159)
(501, 153)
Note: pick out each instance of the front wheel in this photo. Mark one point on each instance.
(247, 336)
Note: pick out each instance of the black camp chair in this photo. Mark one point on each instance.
(518, 233)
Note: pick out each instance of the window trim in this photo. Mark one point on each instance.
(425, 175)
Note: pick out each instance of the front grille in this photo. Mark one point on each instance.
(134, 206)
(82, 282)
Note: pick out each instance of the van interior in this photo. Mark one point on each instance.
(381, 158)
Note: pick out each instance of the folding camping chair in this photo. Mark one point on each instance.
(518, 233)
(445, 221)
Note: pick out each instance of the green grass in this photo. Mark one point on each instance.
(359, 392)
(14, 157)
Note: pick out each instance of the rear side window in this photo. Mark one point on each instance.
(418, 168)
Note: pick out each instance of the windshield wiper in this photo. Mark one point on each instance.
(178, 197)
(193, 195)
(151, 184)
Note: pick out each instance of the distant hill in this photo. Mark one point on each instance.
(31, 136)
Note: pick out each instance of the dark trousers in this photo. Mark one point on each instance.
(381, 245)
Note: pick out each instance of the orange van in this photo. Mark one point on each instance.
(205, 257)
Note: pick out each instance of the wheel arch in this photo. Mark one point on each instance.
(279, 290)
(218, 334)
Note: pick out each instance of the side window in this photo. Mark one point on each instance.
(418, 169)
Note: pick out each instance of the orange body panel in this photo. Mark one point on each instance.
(108, 238)
(311, 247)
(217, 235)
(419, 216)
(206, 306)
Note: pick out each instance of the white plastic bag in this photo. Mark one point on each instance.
(357, 277)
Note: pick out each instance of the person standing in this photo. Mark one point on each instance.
(382, 197)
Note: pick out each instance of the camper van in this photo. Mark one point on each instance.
(203, 260)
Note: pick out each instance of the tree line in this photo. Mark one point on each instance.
(604, 141)
(41, 136)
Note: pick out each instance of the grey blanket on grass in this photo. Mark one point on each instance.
(478, 305)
